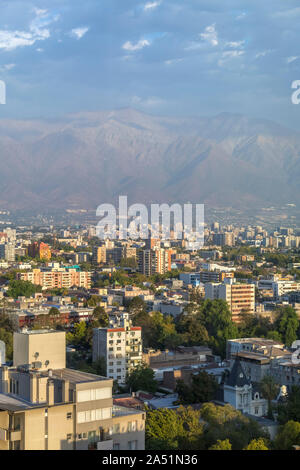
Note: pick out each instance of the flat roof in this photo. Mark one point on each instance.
(75, 376)
(39, 332)
(124, 411)
(11, 403)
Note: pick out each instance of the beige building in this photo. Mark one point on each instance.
(240, 297)
(154, 261)
(99, 254)
(59, 408)
(57, 278)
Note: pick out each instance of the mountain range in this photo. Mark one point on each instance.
(85, 159)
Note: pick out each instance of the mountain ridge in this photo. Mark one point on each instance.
(88, 158)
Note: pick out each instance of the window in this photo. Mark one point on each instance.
(69, 415)
(93, 415)
(131, 426)
(132, 445)
(17, 423)
(69, 437)
(116, 429)
(106, 413)
(92, 436)
(94, 394)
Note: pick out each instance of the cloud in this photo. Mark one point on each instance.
(7, 67)
(210, 35)
(38, 31)
(40, 13)
(235, 44)
(173, 61)
(78, 33)
(291, 59)
(150, 102)
(129, 46)
(241, 16)
(151, 5)
(263, 53)
(228, 55)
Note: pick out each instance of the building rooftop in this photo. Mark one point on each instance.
(237, 376)
(257, 341)
(124, 411)
(39, 332)
(75, 376)
(11, 403)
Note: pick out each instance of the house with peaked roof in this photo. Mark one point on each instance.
(242, 394)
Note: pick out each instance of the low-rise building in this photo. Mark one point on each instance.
(45, 406)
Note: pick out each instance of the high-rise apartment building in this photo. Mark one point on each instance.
(45, 406)
(154, 261)
(40, 250)
(240, 297)
(120, 345)
(224, 239)
(99, 254)
(7, 252)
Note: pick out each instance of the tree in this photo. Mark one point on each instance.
(287, 324)
(158, 330)
(18, 288)
(100, 316)
(136, 306)
(202, 389)
(7, 337)
(93, 301)
(269, 390)
(257, 444)
(99, 366)
(218, 323)
(174, 429)
(221, 445)
(192, 330)
(288, 436)
(141, 378)
(225, 422)
(290, 409)
(78, 336)
(163, 429)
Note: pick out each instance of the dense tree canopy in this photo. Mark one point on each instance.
(202, 389)
(18, 288)
(141, 378)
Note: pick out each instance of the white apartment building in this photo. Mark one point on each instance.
(279, 287)
(121, 346)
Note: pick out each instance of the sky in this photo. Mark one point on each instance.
(164, 57)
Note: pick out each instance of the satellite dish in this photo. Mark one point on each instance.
(2, 353)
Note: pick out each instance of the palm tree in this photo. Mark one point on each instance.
(269, 390)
